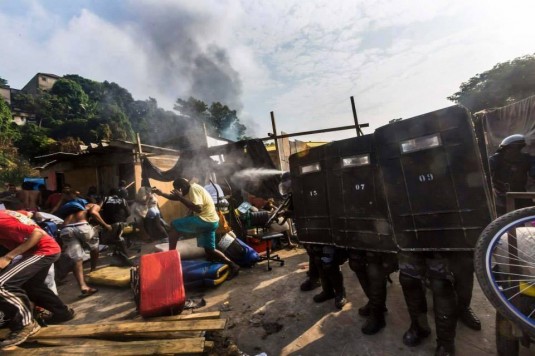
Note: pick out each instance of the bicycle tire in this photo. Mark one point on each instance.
(483, 269)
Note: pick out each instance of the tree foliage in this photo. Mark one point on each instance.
(33, 141)
(220, 120)
(8, 131)
(504, 84)
(78, 110)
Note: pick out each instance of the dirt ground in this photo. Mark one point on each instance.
(267, 313)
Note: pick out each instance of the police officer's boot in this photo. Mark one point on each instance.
(445, 308)
(463, 272)
(313, 280)
(310, 284)
(326, 285)
(377, 290)
(357, 263)
(414, 293)
(337, 281)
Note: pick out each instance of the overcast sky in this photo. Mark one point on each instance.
(303, 60)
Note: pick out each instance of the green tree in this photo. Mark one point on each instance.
(3, 81)
(225, 122)
(17, 169)
(8, 131)
(33, 141)
(220, 120)
(74, 102)
(504, 84)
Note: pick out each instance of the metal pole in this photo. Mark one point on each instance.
(359, 131)
(271, 136)
(276, 143)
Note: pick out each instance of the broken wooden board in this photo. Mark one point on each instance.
(148, 347)
(191, 316)
(117, 330)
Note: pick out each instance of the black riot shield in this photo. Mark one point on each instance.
(309, 195)
(358, 208)
(434, 180)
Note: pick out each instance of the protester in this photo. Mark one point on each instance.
(21, 236)
(203, 223)
(77, 233)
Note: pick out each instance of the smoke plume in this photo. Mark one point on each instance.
(185, 58)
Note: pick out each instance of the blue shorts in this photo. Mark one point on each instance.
(193, 225)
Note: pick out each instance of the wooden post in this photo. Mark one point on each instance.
(359, 131)
(278, 163)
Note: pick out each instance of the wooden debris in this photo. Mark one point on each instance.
(168, 335)
(153, 347)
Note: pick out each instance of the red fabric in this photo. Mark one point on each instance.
(15, 228)
(161, 287)
(53, 199)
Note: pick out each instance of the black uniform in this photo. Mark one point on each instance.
(372, 270)
(415, 269)
(327, 261)
(509, 173)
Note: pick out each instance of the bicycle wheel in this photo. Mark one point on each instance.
(504, 259)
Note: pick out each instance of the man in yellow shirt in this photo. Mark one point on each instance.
(203, 223)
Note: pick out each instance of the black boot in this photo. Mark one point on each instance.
(445, 350)
(373, 324)
(376, 294)
(418, 331)
(414, 293)
(445, 308)
(365, 310)
(323, 296)
(469, 318)
(310, 284)
(340, 300)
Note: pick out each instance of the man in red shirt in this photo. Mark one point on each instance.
(22, 236)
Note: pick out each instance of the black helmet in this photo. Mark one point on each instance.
(516, 139)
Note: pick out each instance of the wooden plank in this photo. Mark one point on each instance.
(75, 341)
(112, 330)
(193, 316)
(148, 347)
(72, 341)
(165, 335)
(209, 345)
(173, 329)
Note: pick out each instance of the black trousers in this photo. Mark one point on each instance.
(27, 274)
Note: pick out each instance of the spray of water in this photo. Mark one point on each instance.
(252, 173)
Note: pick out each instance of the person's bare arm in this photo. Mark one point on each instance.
(93, 210)
(32, 240)
(176, 195)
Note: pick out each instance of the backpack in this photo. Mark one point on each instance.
(114, 210)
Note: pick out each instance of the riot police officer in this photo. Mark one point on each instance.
(509, 169)
(372, 270)
(327, 260)
(313, 276)
(414, 269)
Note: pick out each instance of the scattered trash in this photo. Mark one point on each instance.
(225, 307)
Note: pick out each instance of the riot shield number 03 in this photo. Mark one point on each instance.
(434, 181)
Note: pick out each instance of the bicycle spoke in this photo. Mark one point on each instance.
(514, 259)
(509, 264)
(519, 292)
(514, 274)
(516, 248)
